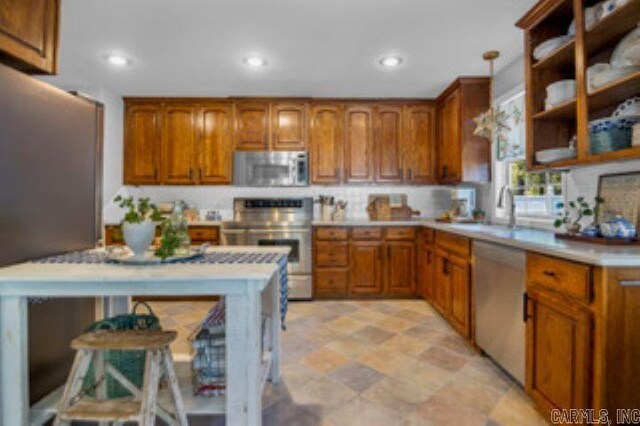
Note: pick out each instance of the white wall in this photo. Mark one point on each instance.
(431, 201)
(581, 181)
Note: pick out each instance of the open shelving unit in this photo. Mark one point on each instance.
(555, 127)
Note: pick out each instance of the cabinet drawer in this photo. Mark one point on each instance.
(366, 233)
(331, 282)
(401, 233)
(427, 235)
(332, 254)
(563, 276)
(203, 233)
(454, 243)
(332, 233)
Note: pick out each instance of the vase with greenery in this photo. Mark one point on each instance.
(139, 223)
(574, 211)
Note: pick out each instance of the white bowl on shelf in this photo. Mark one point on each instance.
(551, 155)
(547, 47)
(612, 74)
(560, 91)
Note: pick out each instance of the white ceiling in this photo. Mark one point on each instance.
(314, 47)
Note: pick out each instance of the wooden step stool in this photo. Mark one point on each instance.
(143, 406)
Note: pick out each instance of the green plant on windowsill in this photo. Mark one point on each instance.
(575, 211)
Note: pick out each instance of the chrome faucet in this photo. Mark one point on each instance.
(512, 204)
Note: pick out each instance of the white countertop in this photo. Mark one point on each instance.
(366, 222)
(38, 279)
(534, 240)
(544, 242)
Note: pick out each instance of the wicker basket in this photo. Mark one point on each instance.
(129, 363)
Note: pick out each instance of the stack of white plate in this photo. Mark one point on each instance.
(625, 60)
(559, 92)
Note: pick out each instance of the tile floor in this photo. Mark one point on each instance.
(374, 363)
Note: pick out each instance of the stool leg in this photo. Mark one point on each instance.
(74, 382)
(150, 387)
(174, 387)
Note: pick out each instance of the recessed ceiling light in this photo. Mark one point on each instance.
(118, 60)
(391, 61)
(255, 61)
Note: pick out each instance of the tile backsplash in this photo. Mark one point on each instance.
(429, 200)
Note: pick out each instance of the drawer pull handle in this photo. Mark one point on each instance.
(630, 283)
(549, 273)
(331, 282)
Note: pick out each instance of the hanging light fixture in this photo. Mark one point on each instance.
(491, 120)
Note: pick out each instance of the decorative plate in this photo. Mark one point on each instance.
(630, 107)
(547, 47)
(627, 52)
(126, 257)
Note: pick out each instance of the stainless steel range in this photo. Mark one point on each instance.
(276, 222)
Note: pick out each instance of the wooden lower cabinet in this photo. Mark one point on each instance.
(441, 297)
(460, 288)
(558, 353)
(401, 268)
(200, 234)
(365, 269)
(331, 282)
(365, 262)
(450, 276)
(426, 270)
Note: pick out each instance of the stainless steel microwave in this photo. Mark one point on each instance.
(270, 168)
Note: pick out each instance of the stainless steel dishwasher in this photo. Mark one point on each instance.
(499, 277)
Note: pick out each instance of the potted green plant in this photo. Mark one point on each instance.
(574, 212)
(139, 223)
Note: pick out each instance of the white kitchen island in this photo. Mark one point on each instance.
(250, 290)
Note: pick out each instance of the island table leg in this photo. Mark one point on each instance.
(243, 336)
(276, 329)
(14, 370)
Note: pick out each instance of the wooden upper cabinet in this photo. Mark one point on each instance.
(358, 144)
(463, 156)
(449, 139)
(558, 353)
(252, 126)
(142, 143)
(289, 126)
(29, 34)
(179, 144)
(420, 144)
(401, 266)
(326, 141)
(388, 144)
(215, 144)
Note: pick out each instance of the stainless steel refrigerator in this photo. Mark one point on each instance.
(50, 202)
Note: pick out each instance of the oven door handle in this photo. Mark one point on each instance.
(280, 231)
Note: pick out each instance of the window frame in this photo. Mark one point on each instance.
(502, 176)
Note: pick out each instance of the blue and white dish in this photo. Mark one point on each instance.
(629, 108)
(590, 231)
(618, 227)
(613, 123)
